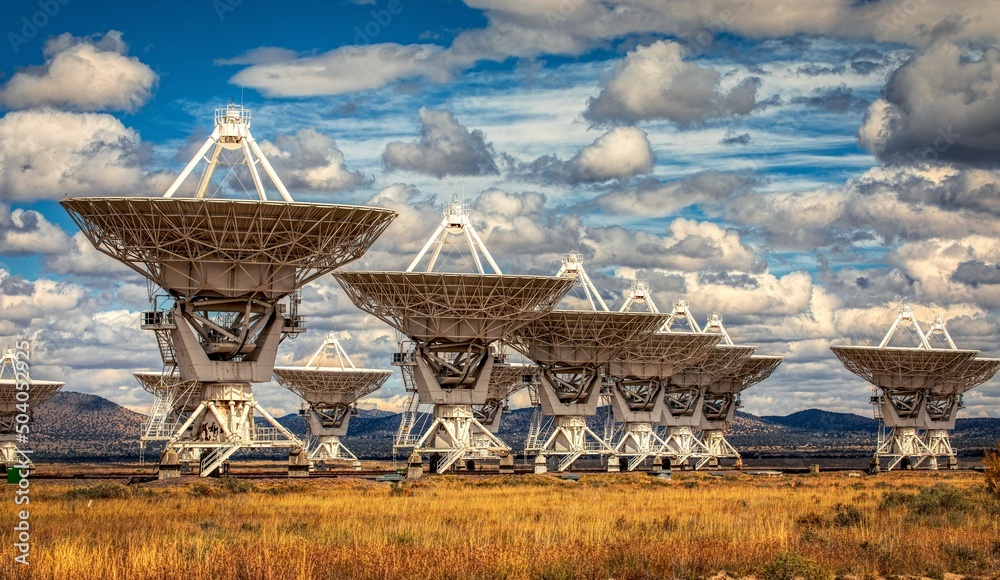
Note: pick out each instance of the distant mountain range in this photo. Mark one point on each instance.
(78, 426)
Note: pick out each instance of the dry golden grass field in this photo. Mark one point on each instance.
(526, 526)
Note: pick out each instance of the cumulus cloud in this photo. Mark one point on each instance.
(689, 246)
(80, 259)
(620, 153)
(528, 30)
(884, 205)
(943, 104)
(976, 272)
(654, 82)
(445, 147)
(45, 154)
(574, 26)
(952, 271)
(28, 232)
(85, 74)
(310, 161)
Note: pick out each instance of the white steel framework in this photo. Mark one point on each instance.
(722, 398)
(455, 223)
(450, 321)
(331, 386)
(572, 350)
(542, 425)
(14, 410)
(173, 403)
(689, 404)
(226, 265)
(918, 390)
(640, 382)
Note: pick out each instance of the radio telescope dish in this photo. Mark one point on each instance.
(331, 385)
(451, 319)
(38, 392)
(225, 265)
(918, 389)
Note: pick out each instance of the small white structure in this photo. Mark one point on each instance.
(450, 321)
(15, 410)
(918, 390)
(227, 266)
(331, 386)
(721, 399)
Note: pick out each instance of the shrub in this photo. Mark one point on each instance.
(847, 516)
(940, 499)
(991, 464)
(99, 491)
(236, 485)
(791, 566)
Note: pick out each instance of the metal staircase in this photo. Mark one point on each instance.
(407, 435)
(216, 457)
(158, 424)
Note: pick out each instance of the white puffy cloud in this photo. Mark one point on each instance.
(310, 161)
(28, 232)
(952, 271)
(654, 82)
(45, 154)
(653, 198)
(576, 25)
(573, 27)
(87, 74)
(445, 147)
(689, 246)
(943, 104)
(620, 153)
(79, 258)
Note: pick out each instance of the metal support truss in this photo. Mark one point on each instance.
(331, 386)
(18, 411)
(456, 222)
(232, 132)
(569, 396)
(918, 390)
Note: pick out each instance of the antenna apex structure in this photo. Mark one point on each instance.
(918, 391)
(11, 407)
(225, 266)
(450, 321)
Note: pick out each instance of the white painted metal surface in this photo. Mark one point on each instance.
(10, 406)
(917, 390)
(331, 386)
(228, 266)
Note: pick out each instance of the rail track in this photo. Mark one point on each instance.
(149, 474)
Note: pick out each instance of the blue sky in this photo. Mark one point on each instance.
(802, 167)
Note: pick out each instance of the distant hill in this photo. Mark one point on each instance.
(78, 426)
(81, 426)
(819, 420)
